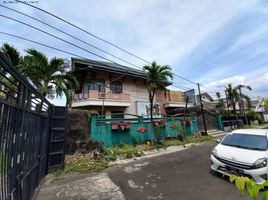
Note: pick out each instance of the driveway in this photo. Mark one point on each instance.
(181, 175)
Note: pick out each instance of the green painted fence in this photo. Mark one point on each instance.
(137, 129)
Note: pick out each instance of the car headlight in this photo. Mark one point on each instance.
(260, 163)
(214, 152)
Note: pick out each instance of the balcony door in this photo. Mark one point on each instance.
(96, 85)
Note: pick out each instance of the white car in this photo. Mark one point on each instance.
(242, 152)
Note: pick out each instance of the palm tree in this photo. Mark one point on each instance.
(15, 58)
(49, 77)
(230, 95)
(157, 76)
(220, 104)
(12, 53)
(241, 97)
(235, 95)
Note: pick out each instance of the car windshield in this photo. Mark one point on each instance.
(246, 141)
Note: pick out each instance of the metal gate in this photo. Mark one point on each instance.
(25, 129)
(211, 122)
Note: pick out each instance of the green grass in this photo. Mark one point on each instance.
(84, 165)
(56, 174)
(176, 142)
(122, 150)
(198, 139)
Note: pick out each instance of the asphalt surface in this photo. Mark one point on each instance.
(181, 175)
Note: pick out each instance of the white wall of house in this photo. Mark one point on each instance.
(138, 92)
(136, 88)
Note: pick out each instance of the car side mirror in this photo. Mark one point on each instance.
(218, 141)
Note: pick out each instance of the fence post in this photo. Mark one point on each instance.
(93, 123)
(219, 122)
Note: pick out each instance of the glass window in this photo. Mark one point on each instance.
(116, 87)
(117, 114)
(98, 85)
(246, 141)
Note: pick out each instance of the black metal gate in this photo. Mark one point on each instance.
(211, 122)
(25, 127)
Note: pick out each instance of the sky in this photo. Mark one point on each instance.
(212, 42)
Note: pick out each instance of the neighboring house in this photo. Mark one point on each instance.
(119, 89)
(259, 107)
(169, 100)
(208, 102)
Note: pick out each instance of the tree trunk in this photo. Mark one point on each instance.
(151, 99)
(151, 110)
(234, 108)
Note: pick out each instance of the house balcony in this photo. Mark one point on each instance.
(177, 105)
(178, 102)
(96, 98)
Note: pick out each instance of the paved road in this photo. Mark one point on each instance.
(181, 175)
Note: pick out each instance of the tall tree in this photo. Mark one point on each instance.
(12, 53)
(235, 95)
(8, 87)
(49, 77)
(220, 104)
(230, 95)
(157, 77)
(241, 97)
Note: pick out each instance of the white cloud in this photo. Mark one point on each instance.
(258, 82)
(161, 30)
(251, 37)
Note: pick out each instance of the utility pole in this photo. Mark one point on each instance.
(202, 109)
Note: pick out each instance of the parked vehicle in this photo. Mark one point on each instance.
(242, 152)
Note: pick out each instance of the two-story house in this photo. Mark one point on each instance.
(118, 90)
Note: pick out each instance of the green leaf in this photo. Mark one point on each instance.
(253, 191)
(265, 184)
(264, 195)
(232, 178)
(240, 184)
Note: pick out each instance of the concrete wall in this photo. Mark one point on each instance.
(265, 116)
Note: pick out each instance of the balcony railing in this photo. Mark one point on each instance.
(96, 95)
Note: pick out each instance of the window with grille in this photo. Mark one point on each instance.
(116, 87)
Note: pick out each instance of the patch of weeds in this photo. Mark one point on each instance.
(123, 150)
(172, 142)
(109, 155)
(56, 174)
(198, 139)
(187, 140)
(84, 164)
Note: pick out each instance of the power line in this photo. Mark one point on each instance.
(57, 38)
(184, 78)
(42, 44)
(73, 54)
(55, 28)
(87, 32)
(97, 37)
(182, 87)
(26, 24)
(54, 48)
